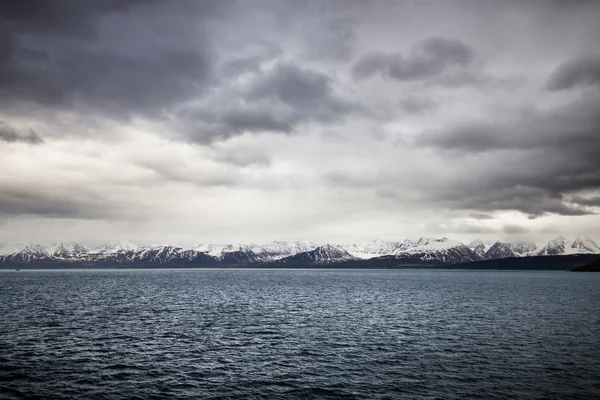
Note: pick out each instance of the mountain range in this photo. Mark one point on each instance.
(423, 252)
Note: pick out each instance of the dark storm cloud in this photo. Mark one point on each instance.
(275, 100)
(112, 57)
(532, 201)
(114, 60)
(429, 59)
(532, 162)
(583, 71)
(10, 134)
(548, 156)
(573, 127)
(304, 90)
(52, 204)
(586, 201)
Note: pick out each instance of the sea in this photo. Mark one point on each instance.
(299, 334)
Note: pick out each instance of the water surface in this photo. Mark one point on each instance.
(299, 334)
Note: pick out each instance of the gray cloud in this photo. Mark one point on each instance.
(462, 228)
(42, 202)
(10, 134)
(417, 104)
(185, 110)
(275, 100)
(242, 157)
(334, 41)
(429, 59)
(586, 201)
(480, 215)
(502, 193)
(572, 128)
(558, 150)
(532, 162)
(302, 89)
(111, 57)
(513, 229)
(582, 71)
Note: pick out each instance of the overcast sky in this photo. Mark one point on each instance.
(344, 121)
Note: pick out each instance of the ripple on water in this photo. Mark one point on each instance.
(299, 334)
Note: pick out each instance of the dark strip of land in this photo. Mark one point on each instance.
(565, 263)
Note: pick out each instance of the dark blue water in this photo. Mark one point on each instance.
(299, 334)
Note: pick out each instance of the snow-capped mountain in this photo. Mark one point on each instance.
(443, 250)
(214, 250)
(506, 249)
(250, 253)
(561, 246)
(326, 254)
(23, 252)
(479, 247)
(31, 252)
(168, 254)
(524, 248)
(279, 249)
(376, 248)
(66, 250)
(499, 250)
(429, 250)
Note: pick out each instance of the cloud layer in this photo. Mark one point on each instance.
(332, 120)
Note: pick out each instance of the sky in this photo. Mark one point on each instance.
(334, 121)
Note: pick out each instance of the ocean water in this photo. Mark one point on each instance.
(391, 334)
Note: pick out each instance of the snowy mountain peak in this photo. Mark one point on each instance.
(442, 250)
(479, 247)
(562, 246)
(584, 244)
(511, 248)
(376, 248)
(213, 250)
(439, 251)
(119, 245)
(325, 254)
(66, 249)
(523, 247)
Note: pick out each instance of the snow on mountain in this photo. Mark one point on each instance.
(524, 248)
(23, 252)
(376, 248)
(479, 247)
(443, 250)
(251, 253)
(506, 249)
(173, 254)
(430, 245)
(499, 250)
(561, 246)
(66, 250)
(294, 253)
(12, 248)
(279, 249)
(326, 254)
(214, 250)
